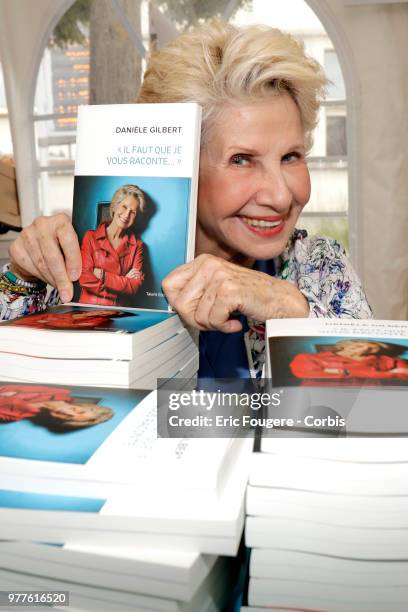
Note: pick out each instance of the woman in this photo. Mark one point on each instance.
(260, 96)
(73, 320)
(52, 407)
(352, 359)
(112, 256)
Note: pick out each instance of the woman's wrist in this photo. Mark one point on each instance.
(287, 301)
(12, 283)
(22, 275)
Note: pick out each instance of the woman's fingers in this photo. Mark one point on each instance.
(176, 280)
(133, 273)
(194, 291)
(69, 244)
(21, 261)
(48, 249)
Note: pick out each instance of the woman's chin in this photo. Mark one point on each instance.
(265, 248)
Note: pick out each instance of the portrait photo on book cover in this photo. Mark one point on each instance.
(133, 231)
(338, 361)
(56, 423)
(74, 318)
(68, 317)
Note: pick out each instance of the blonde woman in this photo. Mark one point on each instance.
(352, 359)
(52, 407)
(260, 95)
(112, 256)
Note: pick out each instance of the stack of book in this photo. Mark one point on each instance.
(97, 347)
(327, 501)
(113, 578)
(83, 469)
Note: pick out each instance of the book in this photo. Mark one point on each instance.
(211, 596)
(58, 482)
(355, 510)
(161, 361)
(283, 563)
(135, 192)
(162, 573)
(326, 509)
(335, 377)
(71, 434)
(337, 352)
(320, 597)
(189, 521)
(80, 332)
(385, 543)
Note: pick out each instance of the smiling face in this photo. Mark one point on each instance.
(254, 181)
(357, 348)
(125, 212)
(67, 411)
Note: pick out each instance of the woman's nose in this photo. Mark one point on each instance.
(273, 191)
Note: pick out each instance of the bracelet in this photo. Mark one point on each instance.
(19, 282)
(10, 283)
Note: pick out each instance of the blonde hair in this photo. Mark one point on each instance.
(217, 64)
(123, 192)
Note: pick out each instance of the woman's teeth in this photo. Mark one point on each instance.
(261, 222)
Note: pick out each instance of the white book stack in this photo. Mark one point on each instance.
(327, 517)
(115, 578)
(131, 521)
(327, 521)
(116, 483)
(97, 347)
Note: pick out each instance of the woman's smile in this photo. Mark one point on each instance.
(264, 226)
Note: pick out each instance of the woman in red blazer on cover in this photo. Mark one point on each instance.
(348, 359)
(52, 407)
(112, 256)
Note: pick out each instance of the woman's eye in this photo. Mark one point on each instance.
(292, 156)
(240, 159)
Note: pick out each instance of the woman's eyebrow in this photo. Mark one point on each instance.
(241, 149)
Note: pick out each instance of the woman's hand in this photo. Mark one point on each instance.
(48, 249)
(206, 291)
(133, 273)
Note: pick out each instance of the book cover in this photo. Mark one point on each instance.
(135, 196)
(100, 437)
(338, 352)
(339, 377)
(81, 332)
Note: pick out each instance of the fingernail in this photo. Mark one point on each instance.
(65, 296)
(74, 274)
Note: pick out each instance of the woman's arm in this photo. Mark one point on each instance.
(131, 282)
(306, 365)
(323, 273)
(89, 279)
(206, 291)
(13, 304)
